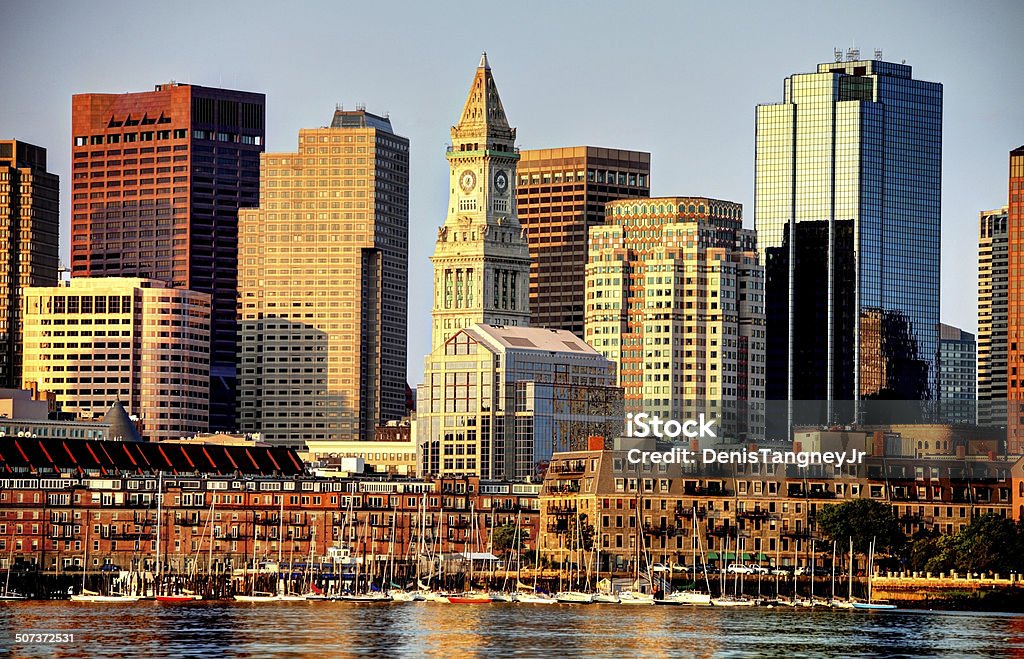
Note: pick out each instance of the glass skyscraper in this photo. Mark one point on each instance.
(847, 211)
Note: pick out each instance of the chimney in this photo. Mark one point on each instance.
(595, 443)
(878, 443)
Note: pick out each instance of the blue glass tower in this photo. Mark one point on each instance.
(847, 212)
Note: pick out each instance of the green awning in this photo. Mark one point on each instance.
(762, 557)
(712, 555)
(746, 556)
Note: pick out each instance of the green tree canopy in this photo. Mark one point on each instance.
(505, 537)
(862, 520)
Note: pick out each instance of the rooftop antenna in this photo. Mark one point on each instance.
(838, 53)
(852, 54)
(878, 53)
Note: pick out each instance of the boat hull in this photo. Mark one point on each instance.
(468, 600)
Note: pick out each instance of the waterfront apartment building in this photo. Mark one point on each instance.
(993, 293)
(222, 504)
(497, 402)
(847, 209)
(481, 259)
(1015, 306)
(675, 297)
(957, 375)
(763, 514)
(97, 341)
(323, 285)
(29, 224)
(157, 181)
(560, 195)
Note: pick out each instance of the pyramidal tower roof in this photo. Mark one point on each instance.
(121, 426)
(483, 115)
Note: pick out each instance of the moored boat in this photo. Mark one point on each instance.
(535, 598)
(470, 598)
(635, 598)
(574, 597)
(178, 598)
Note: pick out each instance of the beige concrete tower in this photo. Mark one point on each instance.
(481, 260)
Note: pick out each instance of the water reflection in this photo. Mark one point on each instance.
(319, 629)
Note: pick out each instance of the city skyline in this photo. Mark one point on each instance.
(546, 82)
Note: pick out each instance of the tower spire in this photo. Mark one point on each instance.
(483, 115)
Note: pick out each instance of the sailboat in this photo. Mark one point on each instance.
(91, 595)
(7, 595)
(871, 605)
(692, 597)
(470, 596)
(576, 596)
(158, 581)
(634, 596)
(734, 599)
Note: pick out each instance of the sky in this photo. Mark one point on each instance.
(678, 79)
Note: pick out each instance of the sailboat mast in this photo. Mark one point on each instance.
(159, 523)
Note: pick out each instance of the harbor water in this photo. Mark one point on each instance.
(320, 629)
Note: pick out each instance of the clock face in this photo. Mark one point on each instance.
(501, 181)
(467, 181)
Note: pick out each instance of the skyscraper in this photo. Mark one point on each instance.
(157, 180)
(323, 285)
(847, 211)
(94, 341)
(29, 223)
(481, 259)
(956, 385)
(560, 194)
(675, 297)
(1015, 306)
(993, 286)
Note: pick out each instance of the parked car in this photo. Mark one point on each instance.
(110, 567)
(738, 568)
(660, 567)
(782, 570)
(758, 569)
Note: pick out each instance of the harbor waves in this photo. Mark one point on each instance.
(802, 459)
(320, 629)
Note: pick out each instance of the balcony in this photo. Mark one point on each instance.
(668, 531)
(563, 488)
(754, 514)
(570, 467)
(561, 510)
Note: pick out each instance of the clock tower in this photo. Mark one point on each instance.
(481, 258)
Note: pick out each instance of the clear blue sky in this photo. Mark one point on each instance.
(678, 79)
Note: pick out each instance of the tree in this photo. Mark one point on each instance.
(862, 520)
(988, 544)
(506, 537)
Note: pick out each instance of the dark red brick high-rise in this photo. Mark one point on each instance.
(157, 180)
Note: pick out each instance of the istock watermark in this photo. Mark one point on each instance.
(651, 425)
(766, 456)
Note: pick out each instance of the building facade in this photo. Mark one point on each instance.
(497, 402)
(157, 181)
(1015, 307)
(957, 375)
(223, 505)
(481, 260)
(97, 341)
(767, 514)
(847, 212)
(323, 285)
(675, 297)
(29, 224)
(993, 289)
(560, 195)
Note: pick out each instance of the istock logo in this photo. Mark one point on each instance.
(651, 425)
